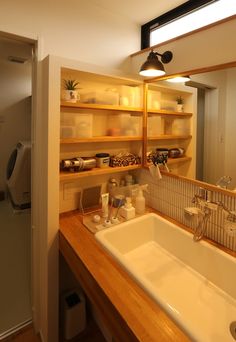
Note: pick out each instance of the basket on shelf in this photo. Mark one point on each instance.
(125, 159)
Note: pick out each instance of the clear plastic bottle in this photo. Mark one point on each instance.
(140, 203)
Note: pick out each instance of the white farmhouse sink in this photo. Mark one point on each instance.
(194, 282)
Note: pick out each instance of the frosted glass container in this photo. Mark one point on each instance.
(181, 127)
(129, 96)
(168, 105)
(155, 125)
(67, 119)
(168, 124)
(84, 125)
(154, 99)
(136, 125)
(67, 132)
(107, 97)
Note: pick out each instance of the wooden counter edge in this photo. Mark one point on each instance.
(130, 314)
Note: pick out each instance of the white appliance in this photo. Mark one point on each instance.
(19, 175)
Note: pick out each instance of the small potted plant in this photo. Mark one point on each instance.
(71, 92)
(180, 103)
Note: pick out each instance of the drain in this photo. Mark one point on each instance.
(232, 329)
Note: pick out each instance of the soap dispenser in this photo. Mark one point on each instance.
(140, 203)
(127, 211)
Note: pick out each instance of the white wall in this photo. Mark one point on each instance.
(230, 127)
(15, 101)
(74, 29)
(214, 123)
(213, 46)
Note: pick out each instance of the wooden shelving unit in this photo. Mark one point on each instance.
(146, 110)
(169, 128)
(66, 176)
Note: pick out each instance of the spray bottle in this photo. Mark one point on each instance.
(140, 202)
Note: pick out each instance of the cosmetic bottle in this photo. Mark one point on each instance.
(127, 211)
(140, 203)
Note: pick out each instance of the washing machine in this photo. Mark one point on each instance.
(19, 175)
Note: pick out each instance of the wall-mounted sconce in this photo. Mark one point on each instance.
(152, 66)
(179, 79)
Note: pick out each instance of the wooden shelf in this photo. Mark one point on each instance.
(65, 176)
(172, 161)
(170, 137)
(104, 139)
(168, 112)
(80, 105)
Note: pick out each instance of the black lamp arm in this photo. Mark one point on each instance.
(166, 57)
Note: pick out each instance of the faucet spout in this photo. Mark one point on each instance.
(202, 225)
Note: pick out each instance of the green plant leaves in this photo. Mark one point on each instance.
(70, 84)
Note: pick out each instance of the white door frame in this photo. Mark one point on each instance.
(39, 308)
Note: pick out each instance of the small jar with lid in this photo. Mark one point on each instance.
(102, 159)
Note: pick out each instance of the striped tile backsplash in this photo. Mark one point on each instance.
(171, 195)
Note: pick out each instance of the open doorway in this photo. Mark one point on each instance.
(16, 60)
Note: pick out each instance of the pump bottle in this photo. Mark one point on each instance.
(140, 203)
(128, 211)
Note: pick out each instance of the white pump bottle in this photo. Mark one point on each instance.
(140, 203)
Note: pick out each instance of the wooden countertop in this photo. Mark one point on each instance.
(129, 312)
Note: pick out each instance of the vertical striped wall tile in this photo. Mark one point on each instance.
(171, 195)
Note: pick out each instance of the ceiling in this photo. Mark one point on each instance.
(138, 11)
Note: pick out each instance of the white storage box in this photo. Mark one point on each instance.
(73, 313)
(125, 121)
(168, 123)
(136, 125)
(168, 105)
(67, 132)
(119, 122)
(100, 97)
(84, 125)
(154, 99)
(67, 119)
(181, 127)
(113, 125)
(124, 124)
(129, 96)
(155, 125)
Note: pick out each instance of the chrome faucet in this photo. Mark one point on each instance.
(204, 200)
(201, 197)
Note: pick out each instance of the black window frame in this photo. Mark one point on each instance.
(169, 16)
